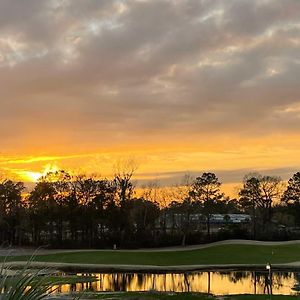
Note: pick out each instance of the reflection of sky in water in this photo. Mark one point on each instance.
(219, 283)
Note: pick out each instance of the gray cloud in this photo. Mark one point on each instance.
(225, 176)
(119, 70)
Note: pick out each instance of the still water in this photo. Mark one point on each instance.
(216, 282)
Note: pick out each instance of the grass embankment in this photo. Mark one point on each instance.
(225, 254)
(185, 296)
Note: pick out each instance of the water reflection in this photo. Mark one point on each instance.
(219, 283)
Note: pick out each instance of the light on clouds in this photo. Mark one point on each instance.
(156, 79)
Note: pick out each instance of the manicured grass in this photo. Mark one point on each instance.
(225, 254)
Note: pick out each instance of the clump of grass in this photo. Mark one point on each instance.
(24, 285)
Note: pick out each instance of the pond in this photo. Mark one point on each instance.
(215, 282)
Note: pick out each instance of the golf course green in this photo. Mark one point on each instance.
(221, 254)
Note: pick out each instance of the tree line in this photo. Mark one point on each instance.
(64, 210)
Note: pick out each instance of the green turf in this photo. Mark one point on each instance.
(181, 296)
(149, 296)
(261, 297)
(225, 254)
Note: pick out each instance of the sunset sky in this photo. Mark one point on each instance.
(178, 85)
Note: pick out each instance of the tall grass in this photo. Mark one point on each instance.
(24, 284)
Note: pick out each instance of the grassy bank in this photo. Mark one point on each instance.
(225, 254)
(184, 296)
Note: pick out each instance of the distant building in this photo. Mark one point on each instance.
(230, 218)
(197, 222)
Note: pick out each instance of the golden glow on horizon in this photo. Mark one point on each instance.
(32, 176)
(167, 163)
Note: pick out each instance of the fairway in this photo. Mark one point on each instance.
(216, 255)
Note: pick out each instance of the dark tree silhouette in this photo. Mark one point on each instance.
(206, 192)
(292, 192)
(11, 207)
(291, 197)
(258, 195)
(64, 210)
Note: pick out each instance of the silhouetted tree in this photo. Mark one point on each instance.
(206, 192)
(257, 196)
(125, 190)
(144, 214)
(180, 213)
(292, 192)
(94, 197)
(291, 197)
(249, 199)
(65, 210)
(10, 210)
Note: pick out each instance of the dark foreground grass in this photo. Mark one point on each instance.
(183, 296)
(225, 254)
(261, 297)
(149, 296)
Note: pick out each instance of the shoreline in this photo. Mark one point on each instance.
(114, 268)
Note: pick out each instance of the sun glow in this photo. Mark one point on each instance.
(35, 176)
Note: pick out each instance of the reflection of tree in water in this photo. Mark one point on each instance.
(185, 282)
(164, 282)
(177, 285)
(127, 280)
(235, 276)
(261, 278)
(120, 281)
(73, 287)
(173, 281)
(297, 277)
(140, 280)
(179, 282)
(278, 279)
(296, 286)
(91, 286)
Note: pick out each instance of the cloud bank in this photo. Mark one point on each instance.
(83, 75)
